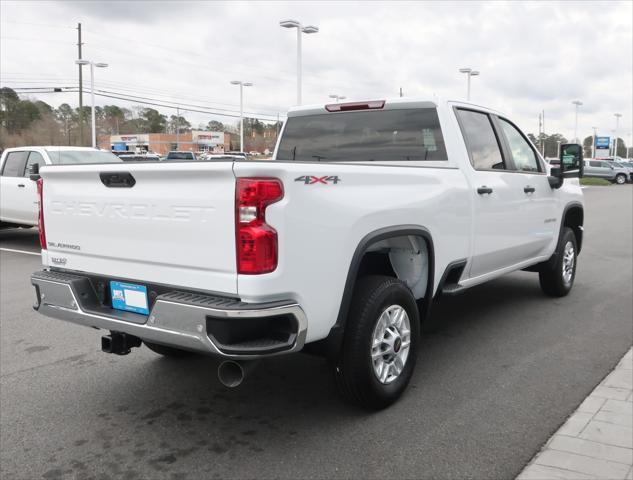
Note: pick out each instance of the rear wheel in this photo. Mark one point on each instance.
(557, 281)
(380, 345)
(620, 179)
(167, 351)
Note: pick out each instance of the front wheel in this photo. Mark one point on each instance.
(557, 281)
(620, 179)
(380, 344)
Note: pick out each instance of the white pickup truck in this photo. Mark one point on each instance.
(18, 196)
(368, 212)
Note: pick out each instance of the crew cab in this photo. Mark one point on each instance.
(368, 212)
(18, 196)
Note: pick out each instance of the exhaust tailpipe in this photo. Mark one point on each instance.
(231, 373)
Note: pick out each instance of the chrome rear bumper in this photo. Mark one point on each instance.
(177, 319)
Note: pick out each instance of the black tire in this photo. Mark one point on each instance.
(620, 179)
(353, 366)
(553, 281)
(167, 351)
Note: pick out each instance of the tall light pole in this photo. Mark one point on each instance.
(338, 97)
(615, 136)
(242, 85)
(593, 144)
(300, 29)
(469, 73)
(92, 93)
(578, 103)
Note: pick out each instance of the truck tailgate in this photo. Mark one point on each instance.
(175, 225)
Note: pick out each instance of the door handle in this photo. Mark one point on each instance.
(483, 190)
(529, 189)
(20, 185)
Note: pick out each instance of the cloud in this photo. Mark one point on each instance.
(533, 56)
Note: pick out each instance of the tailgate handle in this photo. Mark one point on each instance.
(117, 179)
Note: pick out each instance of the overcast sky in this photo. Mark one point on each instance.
(532, 56)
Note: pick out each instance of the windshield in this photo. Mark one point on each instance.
(70, 157)
(380, 135)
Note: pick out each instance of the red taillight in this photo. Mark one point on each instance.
(256, 241)
(344, 107)
(40, 216)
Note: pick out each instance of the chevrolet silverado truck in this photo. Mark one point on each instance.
(18, 196)
(368, 212)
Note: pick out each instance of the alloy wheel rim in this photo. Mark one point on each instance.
(391, 342)
(569, 261)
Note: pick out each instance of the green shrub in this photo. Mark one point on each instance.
(595, 181)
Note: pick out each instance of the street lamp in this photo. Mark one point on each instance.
(242, 85)
(470, 73)
(615, 136)
(593, 144)
(92, 93)
(300, 29)
(578, 103)
(338, 97)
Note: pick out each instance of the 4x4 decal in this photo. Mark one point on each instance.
(312, 179)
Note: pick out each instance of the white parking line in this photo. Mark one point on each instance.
(19, 251)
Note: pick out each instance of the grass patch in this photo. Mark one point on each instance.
(595, 181)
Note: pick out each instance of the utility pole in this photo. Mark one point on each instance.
(543, 148)
(615, 135)
(177, 125)
(400, 92)
(277, 127)
(81, 92)
(593, 144)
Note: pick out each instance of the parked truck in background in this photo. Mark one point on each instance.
(18, 196)
(339, 246)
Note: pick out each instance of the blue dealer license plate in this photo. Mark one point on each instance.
(129, 297)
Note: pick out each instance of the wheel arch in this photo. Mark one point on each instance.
(335, 337)
(573, 217)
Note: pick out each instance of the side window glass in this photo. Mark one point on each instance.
(595, 164)
(34, 157)
(522, 154)
(14, 164)
(481, 141)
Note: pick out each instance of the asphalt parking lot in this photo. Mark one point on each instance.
(489, 389)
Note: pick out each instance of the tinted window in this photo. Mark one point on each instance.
(14, 164)
(70, 157)
(481, 141)
(34, 157)
(180, 156)
(379, 135)
(523, 156)
(595, 164)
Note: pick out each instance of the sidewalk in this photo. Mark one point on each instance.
(597, 440)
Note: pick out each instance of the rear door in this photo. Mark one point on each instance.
(172, 223)
(16, 196)
(500, 225)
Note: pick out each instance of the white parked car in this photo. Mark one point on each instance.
(367, 213)
(18, 195)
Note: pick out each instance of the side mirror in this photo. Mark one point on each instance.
(34, 172)
(571, 161)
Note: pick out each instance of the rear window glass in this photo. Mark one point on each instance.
(384, 135)
(180, 156)
(70, 157)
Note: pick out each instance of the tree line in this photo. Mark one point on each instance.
(34, 122)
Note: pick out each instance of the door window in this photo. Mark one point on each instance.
(34, 157)
(523, 156)
(14, 164)
(595, 164)
(481, 141)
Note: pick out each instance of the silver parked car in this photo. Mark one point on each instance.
(607, 170)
